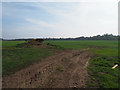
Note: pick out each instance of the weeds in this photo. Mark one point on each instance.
(101, 73)
(58, 68)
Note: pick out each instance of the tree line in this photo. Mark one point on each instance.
(97, 37)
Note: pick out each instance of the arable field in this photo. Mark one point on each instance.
(100, 47)
(99, 68)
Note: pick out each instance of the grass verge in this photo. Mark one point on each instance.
(101, 73)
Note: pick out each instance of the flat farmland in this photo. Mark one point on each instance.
(97, 56)
(101, 47)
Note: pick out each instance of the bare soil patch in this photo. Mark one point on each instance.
(63, 70)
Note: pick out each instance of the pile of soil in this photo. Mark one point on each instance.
(32, 44)
(38, 44)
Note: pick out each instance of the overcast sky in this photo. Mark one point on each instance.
(58, 19)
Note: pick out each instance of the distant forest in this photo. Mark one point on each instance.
(98, 37)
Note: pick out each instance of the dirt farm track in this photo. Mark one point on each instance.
(62, 70)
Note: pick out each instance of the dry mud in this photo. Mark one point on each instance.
(63, 70)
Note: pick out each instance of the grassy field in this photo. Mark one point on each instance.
(107, 48)
(14, 58)
(9, 44)
(101, 74)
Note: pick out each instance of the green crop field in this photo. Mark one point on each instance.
(99, 69)
(107, 48)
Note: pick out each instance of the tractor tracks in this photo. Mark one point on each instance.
(63, 70)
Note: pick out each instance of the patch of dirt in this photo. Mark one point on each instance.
(63, 70)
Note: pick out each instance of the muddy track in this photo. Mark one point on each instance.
(63, 70)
